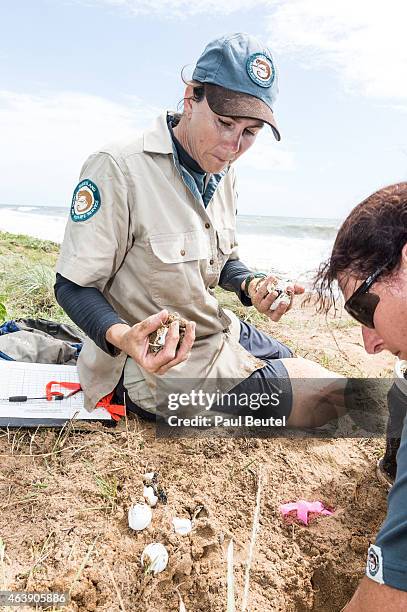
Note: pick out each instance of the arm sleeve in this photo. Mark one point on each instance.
(234, 272)
(97, 235)
(392, 537)
(88, 308)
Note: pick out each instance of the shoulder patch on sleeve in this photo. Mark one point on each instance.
(85, 201)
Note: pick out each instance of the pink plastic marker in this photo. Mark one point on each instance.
(303, 508)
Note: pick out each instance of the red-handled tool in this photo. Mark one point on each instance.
(115, 410)
(74, 387)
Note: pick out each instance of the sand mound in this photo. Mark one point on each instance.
(64, 518)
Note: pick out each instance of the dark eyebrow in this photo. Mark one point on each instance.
(258, 124)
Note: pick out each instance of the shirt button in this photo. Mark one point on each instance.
(182, 252)
(207, 225)
(211, 261)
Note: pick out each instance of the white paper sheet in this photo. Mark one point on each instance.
(30, 379)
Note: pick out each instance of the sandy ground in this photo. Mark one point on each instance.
(64, 499)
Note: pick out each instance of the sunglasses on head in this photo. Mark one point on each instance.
(362, 305)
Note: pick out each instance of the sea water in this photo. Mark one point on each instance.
(292, 246)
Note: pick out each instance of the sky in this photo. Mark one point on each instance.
(75, 74)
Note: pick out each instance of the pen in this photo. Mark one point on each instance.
(25, 398)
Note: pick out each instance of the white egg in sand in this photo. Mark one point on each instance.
(140, 516)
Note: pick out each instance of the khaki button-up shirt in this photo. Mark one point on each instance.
(151, 245)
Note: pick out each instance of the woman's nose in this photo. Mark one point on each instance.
(372, 341)
(233, 142)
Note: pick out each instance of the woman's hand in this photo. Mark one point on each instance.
(262, 299)
(134, 341)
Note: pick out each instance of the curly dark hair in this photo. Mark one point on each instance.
(198, 94)
(198, 87)
(373, 233)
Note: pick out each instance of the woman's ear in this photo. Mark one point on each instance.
(404, 256)
(188, 98)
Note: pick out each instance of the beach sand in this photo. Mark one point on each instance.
(64, 498)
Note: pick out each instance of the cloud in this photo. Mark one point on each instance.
(400, 108)
(179, 9)
(362, 41)
(266, 155)
(46, 138)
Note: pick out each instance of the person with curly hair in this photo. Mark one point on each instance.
(369, 263)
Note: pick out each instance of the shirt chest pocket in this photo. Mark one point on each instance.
(226, 242)
(177, 262)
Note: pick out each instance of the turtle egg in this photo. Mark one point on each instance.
(283, 298)
(154, 558)
(150, 497)
(140, 516)
(182, 526)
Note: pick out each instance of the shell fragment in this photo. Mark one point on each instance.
(158, 337)
(283, 298)
(280, 285)
(182, 526)
(154, 558)
(150, 496)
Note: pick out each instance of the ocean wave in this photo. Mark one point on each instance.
(25, 208)
(292, 247)
(294, 258)
(295, 230)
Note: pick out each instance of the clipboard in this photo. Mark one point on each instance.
(31, 379)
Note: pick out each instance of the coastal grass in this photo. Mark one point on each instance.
(27, 277)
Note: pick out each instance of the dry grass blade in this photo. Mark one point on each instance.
(230, 580)
(116, 588)
(3, 571)
(42, 556)
(84, 562)
(75, 449)
(256, 518)
(107, 488)
(66, 429)
(182, 607)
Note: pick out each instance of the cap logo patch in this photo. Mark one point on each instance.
(85, 201)
(260, 69)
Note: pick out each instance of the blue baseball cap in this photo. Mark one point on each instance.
(240, 78)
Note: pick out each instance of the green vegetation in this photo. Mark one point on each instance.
(108, 490)
(230, 300)
(27, 276)
(3, 313)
